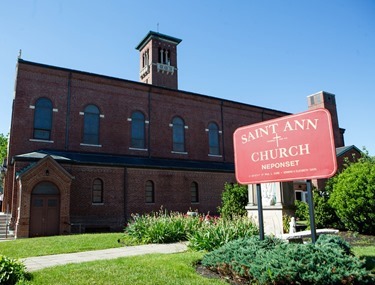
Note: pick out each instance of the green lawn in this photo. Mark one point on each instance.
(21, 248)
(367, 252)
(153, 269)
(148, 269)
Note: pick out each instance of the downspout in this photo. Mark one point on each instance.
(222, 127)
(149, 123)
(125, 194)
(67, 126)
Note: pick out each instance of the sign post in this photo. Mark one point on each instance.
(260, 212)
(295, 147)
(311, 211)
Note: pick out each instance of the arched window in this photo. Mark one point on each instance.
(138, 130)
(91, 125)
(194, 192)
(213, 139)
(150, 192)
(178, 134)
(97, 191)
(43, 119)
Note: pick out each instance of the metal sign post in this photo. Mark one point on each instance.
(260, 212)
(311, 211)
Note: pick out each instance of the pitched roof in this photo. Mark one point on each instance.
(342, 150)
(127, 161)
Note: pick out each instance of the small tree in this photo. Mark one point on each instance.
(3, 147)
(353, 195)
(3, 153)
(233, 200)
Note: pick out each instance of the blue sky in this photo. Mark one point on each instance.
(269, 53)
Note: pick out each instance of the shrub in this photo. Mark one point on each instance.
(202, 231)
(334, 241)
(12, 271)
(325, 216)
(160, 227)
(233, 201)
(272, 261)
(286, 223)
(353, 195)
(302, 210)
(217, 232)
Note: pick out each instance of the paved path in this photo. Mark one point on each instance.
(40, 262)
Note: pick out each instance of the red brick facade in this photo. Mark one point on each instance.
(73, 166)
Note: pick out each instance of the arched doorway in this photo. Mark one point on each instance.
(45, 210)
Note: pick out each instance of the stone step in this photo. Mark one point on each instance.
(4, 235)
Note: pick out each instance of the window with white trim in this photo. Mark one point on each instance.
(91, 125)
(43, 119)
(178, 127)
(138, 130)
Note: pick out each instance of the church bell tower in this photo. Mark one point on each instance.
(327, 100)
(158, 60)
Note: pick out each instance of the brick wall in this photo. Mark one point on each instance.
(110, 213)
(116, 100)
(172, 190)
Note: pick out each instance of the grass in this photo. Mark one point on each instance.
(21, 248)
(367, 252)
(147, 269)
(153, 269)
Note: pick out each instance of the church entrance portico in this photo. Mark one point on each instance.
(44, 200)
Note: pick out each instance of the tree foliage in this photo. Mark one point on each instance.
(3, 146)
(233, 200)
(324, 214)
(353, 195)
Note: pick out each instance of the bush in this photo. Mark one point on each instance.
(353, 195)
(302, 211)
(216, 232)
(334, 241)
(12, 271)
(272, 261)
(325, 216)
(160, 227)
(286, 223)
(233, 201)
(202, 231)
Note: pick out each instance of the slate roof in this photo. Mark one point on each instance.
(126, 161)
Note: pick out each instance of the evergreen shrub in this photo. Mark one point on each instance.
(12, 271)
(273, 261)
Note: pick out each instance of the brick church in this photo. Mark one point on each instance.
(86, 150)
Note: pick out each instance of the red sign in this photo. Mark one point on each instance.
(289, 148)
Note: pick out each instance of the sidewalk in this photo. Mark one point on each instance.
(40, 262)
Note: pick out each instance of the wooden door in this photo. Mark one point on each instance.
(45, 210)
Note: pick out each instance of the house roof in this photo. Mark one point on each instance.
(126, 161)
(344, 149)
